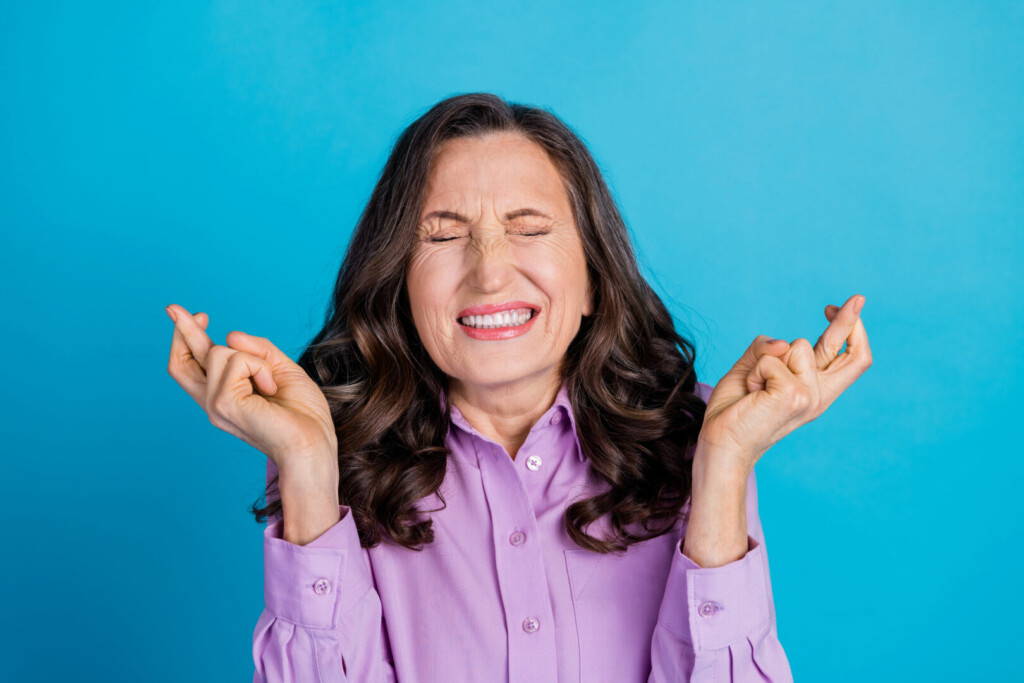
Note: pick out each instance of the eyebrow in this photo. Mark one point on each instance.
(508, 216)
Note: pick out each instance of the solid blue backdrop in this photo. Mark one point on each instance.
(769, 158)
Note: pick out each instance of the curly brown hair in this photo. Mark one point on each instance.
(629, 374)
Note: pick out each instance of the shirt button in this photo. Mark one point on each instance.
(517, 538)
(556, 418)
(708, 608)
(530, 624)
(533, 462)
(321, 586)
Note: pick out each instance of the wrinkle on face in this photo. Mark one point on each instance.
(489, 258)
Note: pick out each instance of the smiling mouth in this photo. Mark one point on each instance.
(494, 321)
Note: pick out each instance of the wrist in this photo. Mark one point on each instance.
(721, 463)
(309, 500)
(716, 532)
(306, 474)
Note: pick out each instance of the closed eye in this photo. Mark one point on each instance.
(521, 234)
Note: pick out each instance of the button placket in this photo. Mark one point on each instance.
(522, 581)
(534, 462)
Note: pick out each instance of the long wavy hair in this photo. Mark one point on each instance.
(630, 375)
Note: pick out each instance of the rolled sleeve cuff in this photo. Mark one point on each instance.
(307, 584)
(715, 606)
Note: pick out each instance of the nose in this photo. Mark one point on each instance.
(491, 268)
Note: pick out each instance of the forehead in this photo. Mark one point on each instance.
(498, 169)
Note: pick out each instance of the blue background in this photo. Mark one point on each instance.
(770, 158)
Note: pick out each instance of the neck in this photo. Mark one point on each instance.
(505, 412)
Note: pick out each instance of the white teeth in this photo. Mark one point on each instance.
(504, 319)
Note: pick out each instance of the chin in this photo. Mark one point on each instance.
(493, 374)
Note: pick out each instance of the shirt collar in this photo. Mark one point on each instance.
(562, 406)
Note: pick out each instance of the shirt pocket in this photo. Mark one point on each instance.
(616, 599)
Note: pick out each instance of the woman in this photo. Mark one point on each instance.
(495, 462)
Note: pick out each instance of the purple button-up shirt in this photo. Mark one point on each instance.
(503, 593)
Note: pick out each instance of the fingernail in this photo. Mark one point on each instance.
(170, 313)
(858, 304)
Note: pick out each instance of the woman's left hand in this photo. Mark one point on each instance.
(776, 387)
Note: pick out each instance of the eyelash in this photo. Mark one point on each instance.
(523, 234)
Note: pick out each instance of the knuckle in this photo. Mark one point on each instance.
(799, 400)
(222, 350)
(238, 360)
(215, 419)
(220, 405)
(806, 400)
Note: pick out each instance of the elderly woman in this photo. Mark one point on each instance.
(495, 461)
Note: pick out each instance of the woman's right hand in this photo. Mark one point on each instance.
(253, 390)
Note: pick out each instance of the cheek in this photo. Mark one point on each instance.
(430, 280)
(431, 285)
(436, 335)
(561, 273)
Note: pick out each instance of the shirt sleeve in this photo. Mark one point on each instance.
(322, 620)
(718, 623)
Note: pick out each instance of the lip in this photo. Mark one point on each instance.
(495, 333)
(497, 308)
(498, 333)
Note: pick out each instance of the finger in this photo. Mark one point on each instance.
(196, 339)
(848, 366)
(184, 368)
(258, 346)
(236, 373)
(762, 344)
(259, 370)
(216, 363)
(801, 362)
(836, 334)
(771, 375)
(773, 347)
(182, 365)
(243, 370)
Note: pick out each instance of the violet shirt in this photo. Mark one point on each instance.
(503, 593)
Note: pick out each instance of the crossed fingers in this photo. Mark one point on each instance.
(190, 346)
(823, 370)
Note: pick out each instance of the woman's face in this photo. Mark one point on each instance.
(497, 228)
